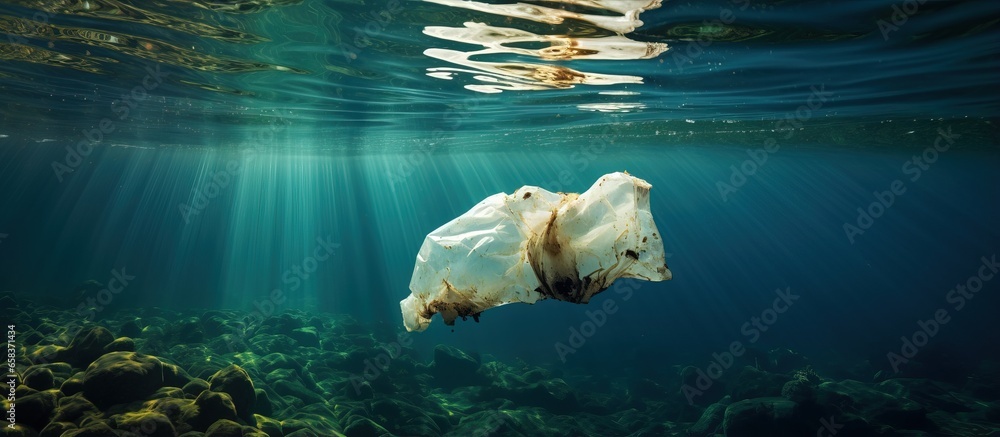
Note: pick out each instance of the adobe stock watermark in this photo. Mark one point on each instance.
(12, 377)
(377, 365)
(581, 159)
(958, 297)
(828, 427)
(695, 48)
(789, 124)
(88, 309)
(96, 303)
(578, 335)
(122, 108)
(901, 13)
(915, 168)
(752, 330)
(203, 195)
(455, 116)
(491, 424)
(293, 277)
(596, 319)
(376, 24)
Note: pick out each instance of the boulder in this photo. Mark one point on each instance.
(358, 426)
(709, 421)
(236, 382)
(263, 405)
(93, 429)
(305, 336)
(753, 383)
(119, 377)
(195, 387)
(766, 417)
(75, 408)
(120, 344)
(453, 368)
(39, 378)
(88, 345)
(35, 410)
(73, 384)
(130, 329)
(210, 407)
(224, 428)
(145, 424)
(56, 429)
(269, 426)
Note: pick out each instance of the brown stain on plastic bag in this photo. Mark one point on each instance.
(455, 304)
(554, 262)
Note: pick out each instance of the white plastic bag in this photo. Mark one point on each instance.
(534, 245)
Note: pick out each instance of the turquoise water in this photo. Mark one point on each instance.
(269, 158)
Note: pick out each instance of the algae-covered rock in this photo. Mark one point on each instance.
(56, 429)
(39, 378)
(189, 331)
(176, 410)
(876, 405)
(302, 433)
(195, 387)
(315, 424)
(145, 423)
(73, 384)
(765, 416)
(753, 383)
(269, 426)
(35, 410)
(236, 382)
(358, 426)
(291, 426)
(283, 323)
(19, 430)
(167, 392)
(119, 377)
(267, 343)
(210, 407)
(75, 408)
(525, 421)
(48, 353)
(554, 395)
(305, 336)
(175, 376)
(798, 390)
(121, 344)
(94, 429)
(88, 345)
(709, 421)
(274, 361)
(295, 388)
(263, 405)
(224, 428)
(454, 368)
(708, 389)
(130, 328)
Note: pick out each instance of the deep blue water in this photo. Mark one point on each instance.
(368, 153)
(783, 229)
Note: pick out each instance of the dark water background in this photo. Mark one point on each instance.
(371, 154)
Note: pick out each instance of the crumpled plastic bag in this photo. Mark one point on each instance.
(534, 245)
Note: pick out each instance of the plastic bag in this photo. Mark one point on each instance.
(534, 245)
